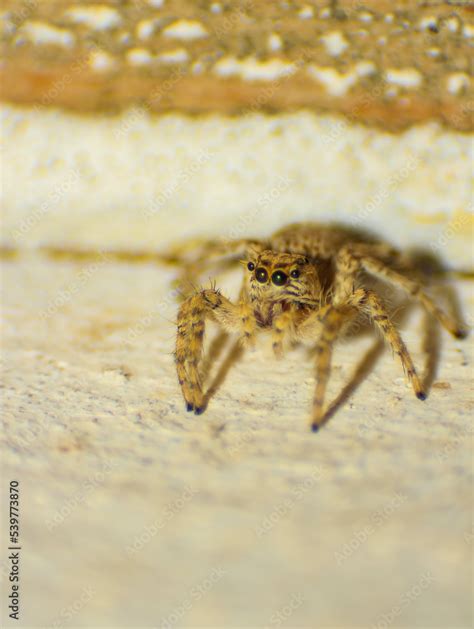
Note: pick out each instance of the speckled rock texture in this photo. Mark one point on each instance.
(139, 181)
(390, 63)
(136, 514)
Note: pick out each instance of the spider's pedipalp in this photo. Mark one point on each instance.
(283, 326)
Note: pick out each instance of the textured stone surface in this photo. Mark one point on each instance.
(392, 64)
(252, 521)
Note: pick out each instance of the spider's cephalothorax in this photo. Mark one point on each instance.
(306, 283)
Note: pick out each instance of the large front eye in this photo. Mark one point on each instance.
(261, 275)
(279, 278)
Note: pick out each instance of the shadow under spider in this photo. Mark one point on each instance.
(430, 347)
(232, 357)
(216, 348)
(360, 373)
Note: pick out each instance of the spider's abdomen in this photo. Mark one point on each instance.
(315, 240)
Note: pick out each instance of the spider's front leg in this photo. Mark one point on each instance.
(355, 257)
(368, 301)
(192, 315)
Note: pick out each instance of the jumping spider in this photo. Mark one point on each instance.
(305, 283)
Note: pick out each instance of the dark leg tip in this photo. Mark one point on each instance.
(461, 333)
(314, 427)
(199, 410)
(421, 395)
(189, 407)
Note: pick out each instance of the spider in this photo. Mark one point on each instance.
(306, 283)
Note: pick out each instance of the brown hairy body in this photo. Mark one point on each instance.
(306, 283)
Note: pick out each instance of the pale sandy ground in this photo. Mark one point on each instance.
(136, 514)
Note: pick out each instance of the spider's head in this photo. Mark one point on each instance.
(281, 277)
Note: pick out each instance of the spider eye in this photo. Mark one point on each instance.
(250, 266)
(279, 278)
(295, 273)
(261, 275)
